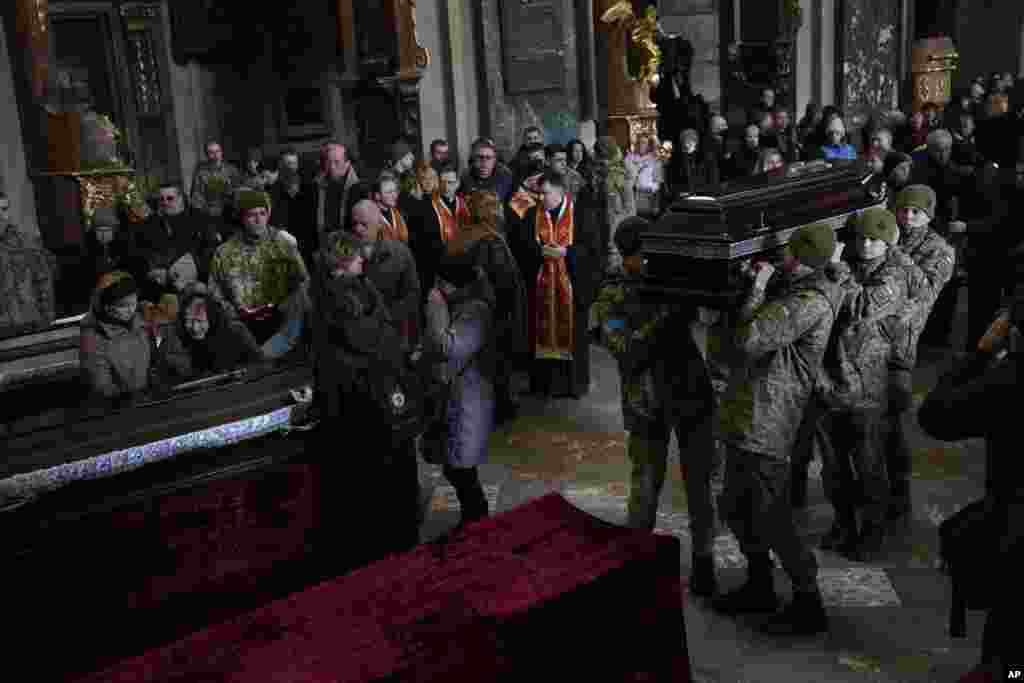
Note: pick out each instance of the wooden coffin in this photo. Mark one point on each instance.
(696, 249)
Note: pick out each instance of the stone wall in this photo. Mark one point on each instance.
(871, 64)
(14, 178)
(697, 21)
(506, 115)
(450, 89)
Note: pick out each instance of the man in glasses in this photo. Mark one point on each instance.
(171, 234)
(485, 173)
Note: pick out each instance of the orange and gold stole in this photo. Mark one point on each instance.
(450, 223)
(553, 315)
(394, 227)
(521, 202)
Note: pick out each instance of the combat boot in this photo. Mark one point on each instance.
(702, 576)
(804, 616)
(843, 534)
(899, 503)
(798, 476)
(870, 543)
(756, 595)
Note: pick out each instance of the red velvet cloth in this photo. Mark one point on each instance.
(543, 590)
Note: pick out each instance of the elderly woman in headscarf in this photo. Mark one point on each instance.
(205, 341)
(613, 187)
(116, 350)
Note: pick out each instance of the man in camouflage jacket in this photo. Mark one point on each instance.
(779, 347)
(665, 388)
(214, 183)
(914, 208)
(259, 277)
(867, 331)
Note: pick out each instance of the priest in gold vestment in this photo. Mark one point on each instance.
(558, 251)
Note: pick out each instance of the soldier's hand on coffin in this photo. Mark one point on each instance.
(764, 272)
(837, 255)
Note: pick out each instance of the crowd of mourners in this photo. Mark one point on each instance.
(501, 274)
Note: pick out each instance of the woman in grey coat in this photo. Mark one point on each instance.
(460, 313)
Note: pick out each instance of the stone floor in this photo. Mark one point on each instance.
(888, 620)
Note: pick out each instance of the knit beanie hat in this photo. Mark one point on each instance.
(813, 244)
(627, 235)
(252, 199)
(878, 224)
(399, 150)
(918, 196)
(343, 244)
(894, 159)
(116, 286)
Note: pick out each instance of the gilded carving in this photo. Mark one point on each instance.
(628, 129)
(412, 56)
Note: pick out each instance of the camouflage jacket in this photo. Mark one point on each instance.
(663, 376)
(252, 274)
(779, 348)
(27, 274)
(212, 188)
(935, 258)
(869, 325)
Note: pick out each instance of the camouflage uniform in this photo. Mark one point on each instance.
(854, 468)
(251, 274)
(934, 257)
(665, 389)
(780, 345)
(27, 274)
(212, 187)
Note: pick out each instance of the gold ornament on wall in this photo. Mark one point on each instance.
(643, 56)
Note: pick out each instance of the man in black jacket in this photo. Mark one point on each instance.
(969, 402)
(173, 232)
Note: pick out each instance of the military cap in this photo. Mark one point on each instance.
(813, 244)
(878, 224)
(918, 196)
(253, 199)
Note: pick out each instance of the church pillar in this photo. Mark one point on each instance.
(31, 27)
(413, 58)
(631, 113)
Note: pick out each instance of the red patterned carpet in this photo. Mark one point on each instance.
(543, 590)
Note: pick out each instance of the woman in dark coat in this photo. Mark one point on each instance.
(204, 341)
(359, 352)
